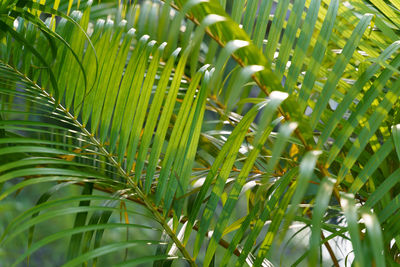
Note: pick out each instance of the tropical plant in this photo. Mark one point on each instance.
(201, 132)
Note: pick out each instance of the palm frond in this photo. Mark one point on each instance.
(233, 125)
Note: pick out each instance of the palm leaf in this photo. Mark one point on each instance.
(130, 120)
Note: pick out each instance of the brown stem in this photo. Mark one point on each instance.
(330, 251)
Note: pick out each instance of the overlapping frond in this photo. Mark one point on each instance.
(301, 126)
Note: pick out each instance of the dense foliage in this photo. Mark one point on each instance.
(194, 132)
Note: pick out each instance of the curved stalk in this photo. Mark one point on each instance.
(158, 217)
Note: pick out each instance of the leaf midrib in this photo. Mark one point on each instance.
(157, 216)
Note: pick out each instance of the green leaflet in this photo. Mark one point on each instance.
(275, 100)
(350, 211)
(323, 197)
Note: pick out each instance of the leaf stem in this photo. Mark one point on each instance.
(122, 172)
(135, 187)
